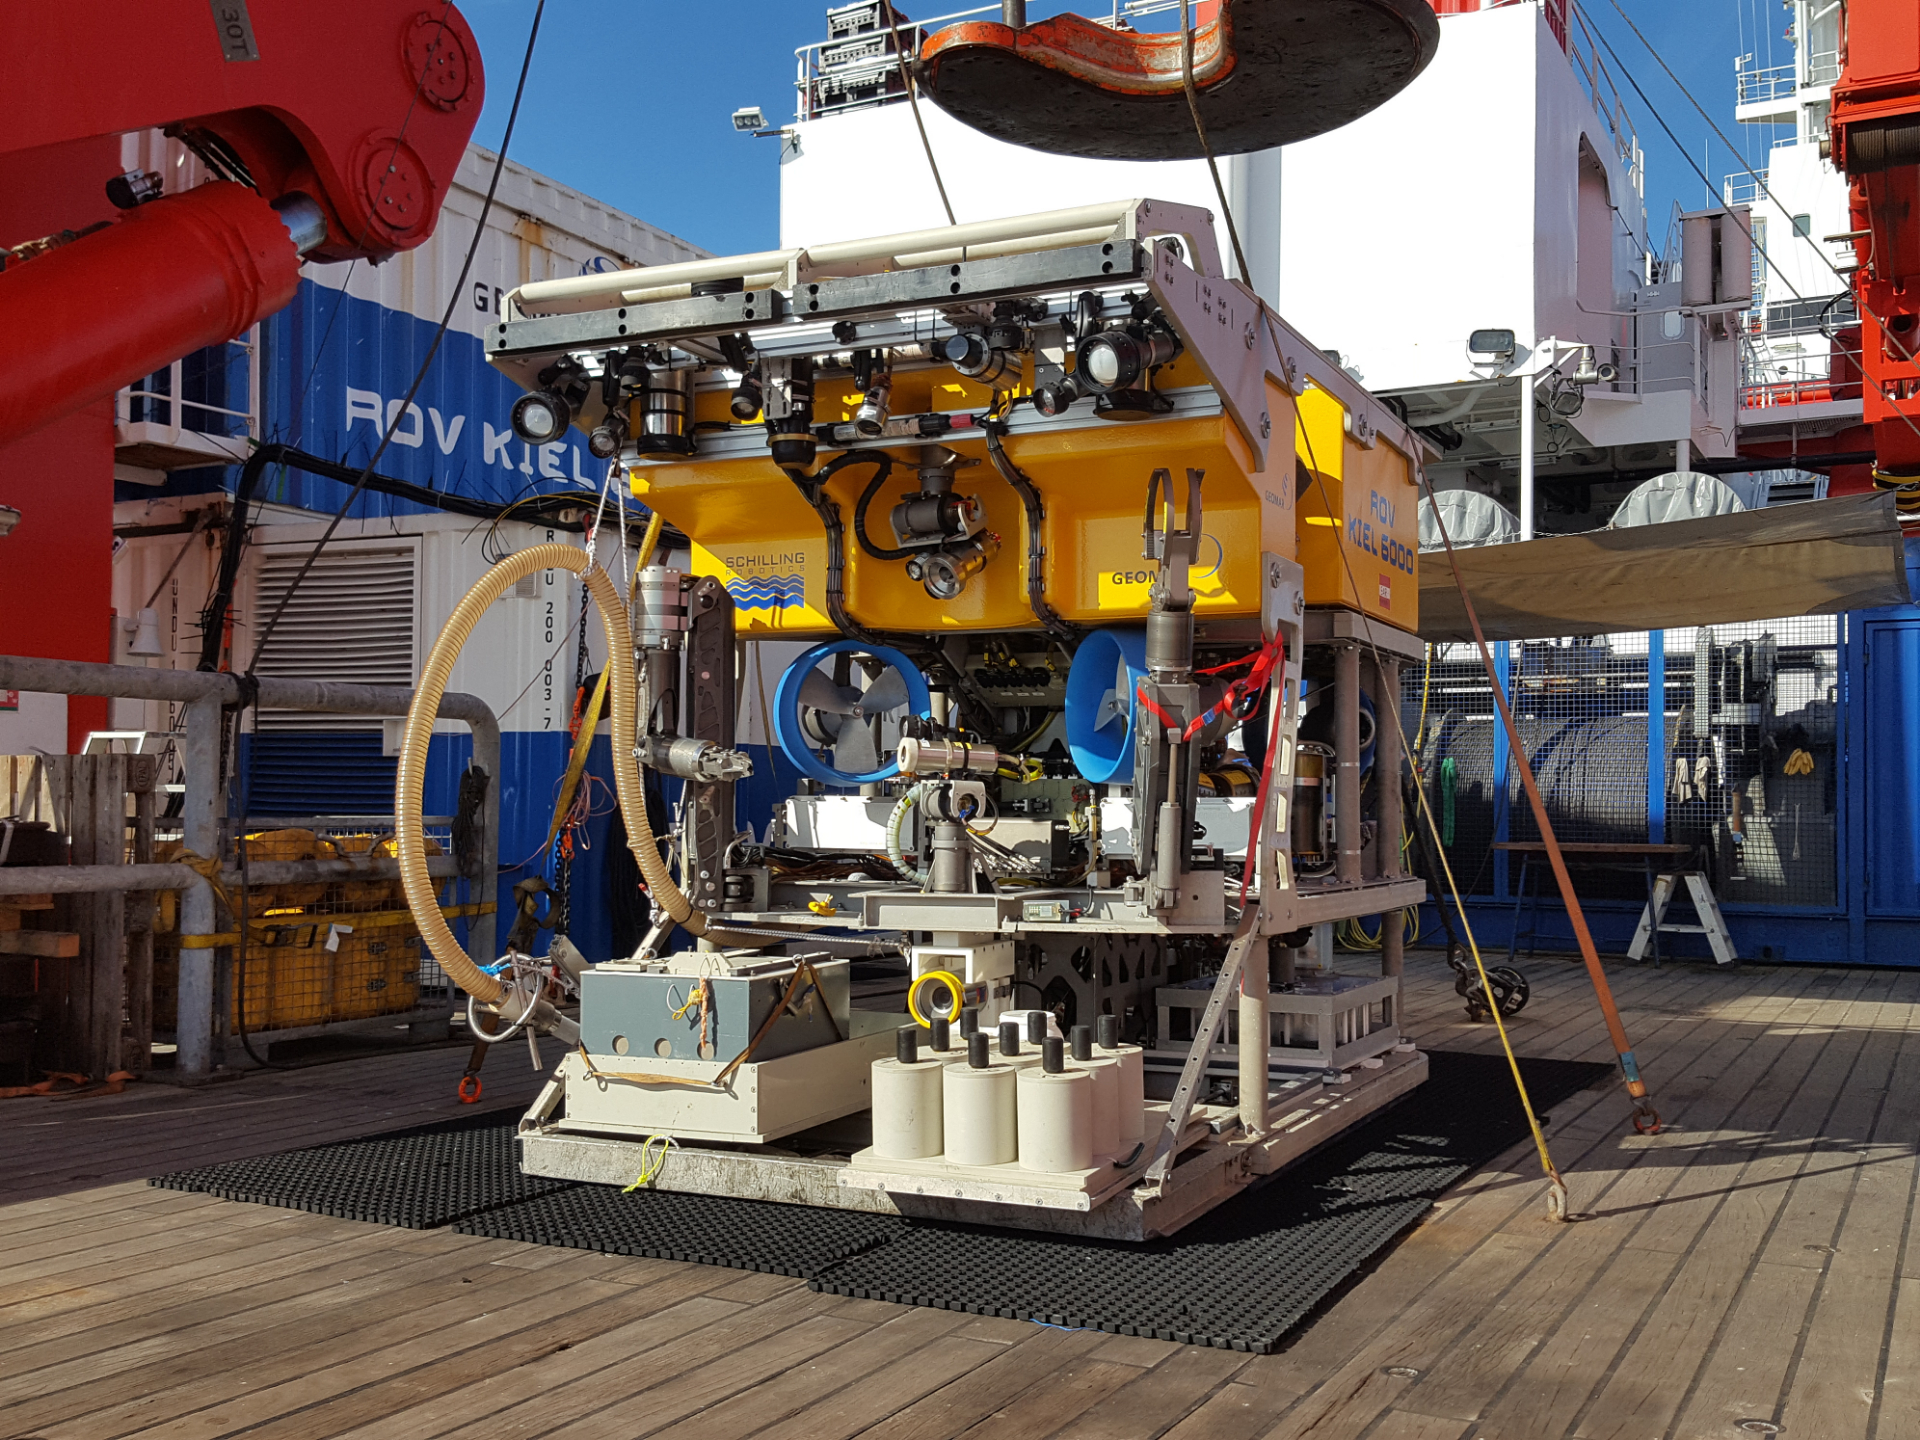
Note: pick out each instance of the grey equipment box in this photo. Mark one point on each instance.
(628, 1009)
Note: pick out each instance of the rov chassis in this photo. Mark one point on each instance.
(1062, 557)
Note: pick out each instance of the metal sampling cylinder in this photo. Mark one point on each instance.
(951, 869)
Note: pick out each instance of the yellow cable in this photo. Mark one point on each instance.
(650, 1169)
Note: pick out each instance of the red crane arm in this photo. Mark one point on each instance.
(342, 123)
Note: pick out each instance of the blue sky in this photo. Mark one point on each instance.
(630, 101)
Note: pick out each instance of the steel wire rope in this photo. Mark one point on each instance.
(1206, 146)
(913, 103)
(433, 349)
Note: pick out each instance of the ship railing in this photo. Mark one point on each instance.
(851, 71)
(1598, 82)
(1755, 85)
(1821, 372)
(1745, 187)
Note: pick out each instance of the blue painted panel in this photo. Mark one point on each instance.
(1893, 767)
(338, 366)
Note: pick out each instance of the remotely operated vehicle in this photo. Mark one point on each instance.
(1103, 577)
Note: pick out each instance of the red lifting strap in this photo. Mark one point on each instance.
(1268, 72)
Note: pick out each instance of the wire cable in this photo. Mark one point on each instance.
(1206, 146)
(433, 349)
(1557, 1203)
(913, 103)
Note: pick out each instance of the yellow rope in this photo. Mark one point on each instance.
(650, 1168)
(1426, 809)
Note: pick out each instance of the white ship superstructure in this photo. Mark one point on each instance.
(1500, 194)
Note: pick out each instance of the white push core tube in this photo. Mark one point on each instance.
(409, 831)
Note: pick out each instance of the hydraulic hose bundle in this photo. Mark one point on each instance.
(409, 830)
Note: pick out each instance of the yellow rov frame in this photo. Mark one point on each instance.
(1242, 381)
(1309, 538)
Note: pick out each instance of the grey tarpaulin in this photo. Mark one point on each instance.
(1815, 558)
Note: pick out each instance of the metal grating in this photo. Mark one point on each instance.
(351, 621)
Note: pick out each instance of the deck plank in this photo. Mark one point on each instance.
(1793, 1096)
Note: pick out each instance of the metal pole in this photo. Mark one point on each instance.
(1254, 1035)
(204, 693)
(1346, 748)
(1386, 769)
(194, 993)
(1526, 453)
(99, 879)
(1013, 12)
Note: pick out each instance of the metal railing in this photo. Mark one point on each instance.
(1754, 85)
(1744, 188)
(172, 417)
(1599, 84)
(826, 87)
(1823, 372)
(205, 693)
(1823, 67)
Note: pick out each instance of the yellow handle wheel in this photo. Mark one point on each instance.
(947, 978)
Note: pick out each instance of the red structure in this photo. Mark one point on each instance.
(1875, 130)
(339, 126)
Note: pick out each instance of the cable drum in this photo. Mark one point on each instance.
(1592, 775)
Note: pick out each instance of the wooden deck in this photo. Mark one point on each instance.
(1751, 1263)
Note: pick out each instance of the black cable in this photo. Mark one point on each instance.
(813, 489)
(1029, 493)
(439, 334)
(866, 498)
(213, 617)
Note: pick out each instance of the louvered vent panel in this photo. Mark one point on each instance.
(351, 622)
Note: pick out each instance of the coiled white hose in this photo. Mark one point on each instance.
(896, 851)
(409, 830)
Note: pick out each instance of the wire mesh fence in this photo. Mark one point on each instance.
(1741, 758)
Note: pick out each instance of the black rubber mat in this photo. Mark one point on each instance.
(705, 1229)
(1241, 1277)
(420, 1178)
